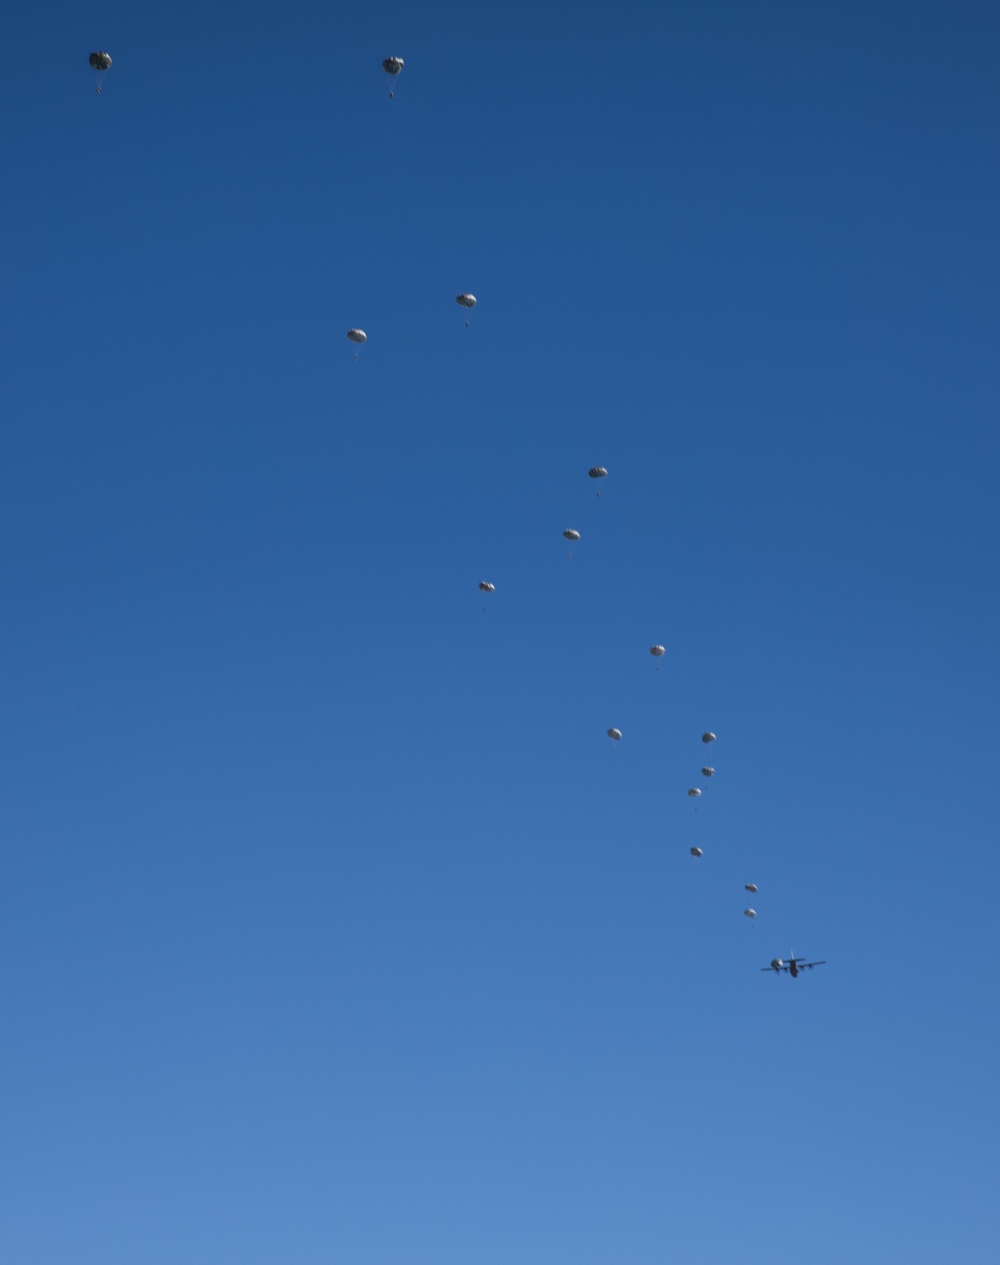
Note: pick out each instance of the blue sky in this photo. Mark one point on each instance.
(332, 925)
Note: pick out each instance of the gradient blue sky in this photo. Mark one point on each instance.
(332, 926)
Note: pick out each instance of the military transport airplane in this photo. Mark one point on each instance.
(792, 966)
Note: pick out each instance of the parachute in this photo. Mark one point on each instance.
(707, 771)
(708, 737)
(696, 852)
(657, 651)
(694, 792)
(357, 336)
(598, 472)
(749, 887)
(570, 534)
(392, 66)
(615, 735)
(749, 913)
(486, 587)
(100, 62)
(465, 300)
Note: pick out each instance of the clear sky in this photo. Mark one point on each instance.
(333, 928)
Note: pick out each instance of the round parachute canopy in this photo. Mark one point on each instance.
(708, 771)
(392, 65)
(749, 887)
(657, 651)
(776, 964)
(598, 472)
(465, 300)
(696, 852)
(694, 792)
(100, 61)
(749, 913)
(570, 534)
(486, 587)
(357, 335)
(708, 737)
(615, 734)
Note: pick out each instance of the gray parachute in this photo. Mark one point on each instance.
(657, 651)
(696, 852)
(615, 735)
(708, 771)
(749, 913)
(598, 472)
(100, 62)
(465, 300)
(392, 65)
(486, 587)
(749, 887)
(708, 737)
(357, 335)
(570, 534)
(694, 792)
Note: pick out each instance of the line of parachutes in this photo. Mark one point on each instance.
(100, 61)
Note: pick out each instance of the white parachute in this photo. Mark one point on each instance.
(571, 534)
(708, 771)
(486, 587)
(694, 792)
(696, 852)
(465, 300)
(708, 737)
(749, 913)
(750, 887)
(657, 651)
(598, 472)
(357, 335)
(615, 735)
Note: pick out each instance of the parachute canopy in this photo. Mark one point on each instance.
(749, 913)
(598, 472)
(694, 792)
(357, 335)
(749, 887)
(100, 61)
(707, 771)
(656, 651)
(570, 534)
(465, 300)
(392, 65)
(696, 852)
(708, 737)
(615, 734)
(486, 587)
